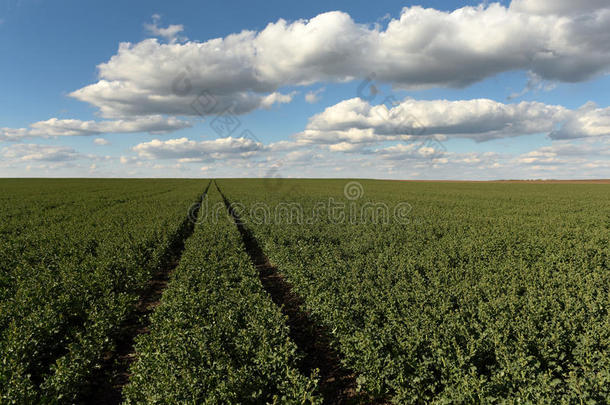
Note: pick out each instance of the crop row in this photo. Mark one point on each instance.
(74, 257)
(217, 337)
(491, 293)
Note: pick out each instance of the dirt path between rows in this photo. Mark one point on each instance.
(337, 384)
(107, 385)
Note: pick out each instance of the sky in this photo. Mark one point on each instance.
(425, 89)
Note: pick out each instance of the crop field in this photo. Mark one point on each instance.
(271, 291)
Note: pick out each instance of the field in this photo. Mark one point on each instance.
(304, 292)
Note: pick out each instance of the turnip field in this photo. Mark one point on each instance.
(277, 291)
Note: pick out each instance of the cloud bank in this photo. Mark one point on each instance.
(154, 124)
(356, 121)
(423, 47)
(186, 150)
(25, 152)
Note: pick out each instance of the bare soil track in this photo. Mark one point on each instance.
(337, 384)
(107, 384)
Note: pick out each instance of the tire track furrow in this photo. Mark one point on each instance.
(337, 384)
(108, 383)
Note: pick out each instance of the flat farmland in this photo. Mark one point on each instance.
(304, 291)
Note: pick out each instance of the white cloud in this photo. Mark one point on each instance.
(313, 96)
(41, 153)
(357, 121)
(534, 83)
(421, 48)
(587, 121)
(405, 151)
(170, 33)
(346, 147)
(566, 153)
(557, 6)
(118, 99)
(12, 134)
(101, 141)
(154, 124)
(192, 151)
(276, 98)
(588, 158)
(282, 146)
(585, 158)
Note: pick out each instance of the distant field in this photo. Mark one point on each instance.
(304, 291)
(595, 181)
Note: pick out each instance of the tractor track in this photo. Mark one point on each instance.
(337, 384)
(107, 384)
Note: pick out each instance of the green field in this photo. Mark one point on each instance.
(304, 291)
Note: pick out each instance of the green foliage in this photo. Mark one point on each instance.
(492, 293)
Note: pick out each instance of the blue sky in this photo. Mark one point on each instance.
(482, 92)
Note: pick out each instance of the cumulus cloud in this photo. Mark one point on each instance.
(588, 158)
(174, 95)
(192, 151)
(587, 121)
(283, 146)
(557, 6)
(404, 151)
(347, 147)
(41, 153)
(423, 47)
(154, 124)
(357, 121)
(276, 98)
(101, 141)
(313, 96)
